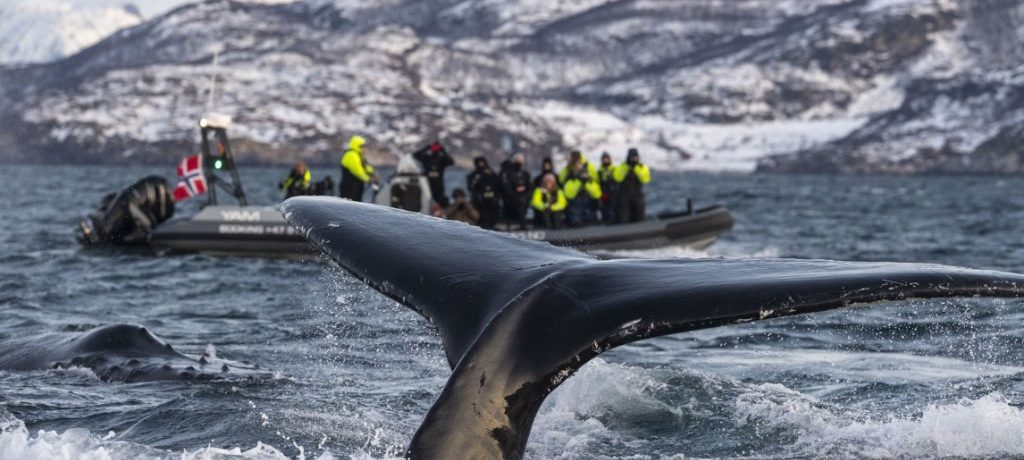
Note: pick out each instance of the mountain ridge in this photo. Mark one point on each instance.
(792, 86)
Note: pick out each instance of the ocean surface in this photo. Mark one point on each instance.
(353, 372)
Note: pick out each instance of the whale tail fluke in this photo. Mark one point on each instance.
(519, 317)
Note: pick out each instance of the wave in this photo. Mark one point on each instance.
(17, 442)
(983, 427)
(612, 410)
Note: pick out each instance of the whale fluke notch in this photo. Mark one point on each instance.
(518, 317)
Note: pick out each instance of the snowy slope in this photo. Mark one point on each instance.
(45, 30)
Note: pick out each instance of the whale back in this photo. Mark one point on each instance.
(129, 340)
(122, 353)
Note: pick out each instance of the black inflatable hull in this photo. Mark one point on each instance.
(263, 232)
(259, 231)
(696, 230)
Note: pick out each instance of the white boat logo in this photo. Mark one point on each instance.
(241, 216)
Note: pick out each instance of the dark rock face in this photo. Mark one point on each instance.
(935, 83)
(967, 124)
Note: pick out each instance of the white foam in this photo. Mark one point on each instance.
(568, 421)
(849, 366)
(981, 427)
(17, 442)
(574, 421)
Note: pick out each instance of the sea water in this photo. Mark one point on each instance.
(354, 372)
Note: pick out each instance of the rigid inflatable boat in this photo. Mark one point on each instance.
(143, 215)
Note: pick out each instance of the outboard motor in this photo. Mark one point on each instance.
(407, 189)
(323, 188)
(129, 216)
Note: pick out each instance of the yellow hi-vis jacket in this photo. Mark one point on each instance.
(289, 181)
(642, 172)
(542, 197)
(572, 186)
(354, 162)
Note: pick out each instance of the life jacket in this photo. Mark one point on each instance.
(631, 178)
(572, 184)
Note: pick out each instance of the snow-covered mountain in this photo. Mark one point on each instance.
(34, 31)
(789, 85)
(46, 30)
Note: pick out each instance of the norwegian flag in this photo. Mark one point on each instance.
(191, 181)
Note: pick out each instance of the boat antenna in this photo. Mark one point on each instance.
(213, 82)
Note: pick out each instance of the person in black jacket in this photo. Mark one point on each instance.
(485, 189)
(515, 182)
(546, 167)
(435, 159)
(609, 189)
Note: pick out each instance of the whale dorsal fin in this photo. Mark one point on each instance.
(519, 317)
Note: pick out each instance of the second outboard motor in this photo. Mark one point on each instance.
(323, 188)
(129, 216)
(407, 189)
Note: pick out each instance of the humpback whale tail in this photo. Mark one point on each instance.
(519, 317)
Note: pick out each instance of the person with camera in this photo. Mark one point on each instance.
(580, 182)
(515, 182)
(461, 209)
(631, 177)
(485, 191)
(435, 159)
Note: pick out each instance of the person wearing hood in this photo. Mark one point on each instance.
(546, 167)
(609, 189)
(435, 158)
(631, 177)
(485, 189)
(515, 182)
(298, 181)
(356, 173)
(580, 183)
(407, 189)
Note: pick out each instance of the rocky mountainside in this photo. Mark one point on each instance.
(960, 106)
(792, 85)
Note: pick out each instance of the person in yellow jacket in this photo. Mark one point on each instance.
(548, 203)
(631, 177)
(298, 181)
(579, 180)
(355, 171)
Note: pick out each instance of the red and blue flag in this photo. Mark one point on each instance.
(191, 181)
